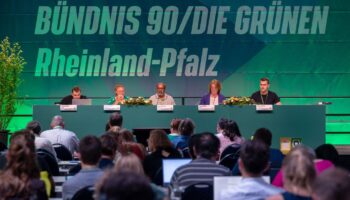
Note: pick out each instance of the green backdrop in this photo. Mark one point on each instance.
(302, 46)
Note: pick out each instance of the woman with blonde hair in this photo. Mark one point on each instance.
(161, 148)
(298, 175)
(214, 97)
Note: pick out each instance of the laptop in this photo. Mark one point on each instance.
(224, 184)
(169, 167)
(81, 102)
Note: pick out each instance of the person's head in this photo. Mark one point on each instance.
(76, 92)
(207, 146)
(253, 158)
(34, 127)
(264, 135)
(186, 127)
(158, 139)
(191, 143)
(57, 121)
(231, 130)
(333, 183)
(174, 125)
(214, 87)
(126, 135)
(90, 150)
(129, 162)
(119, 90)
(115, 119)
(21, 166)
(109, 145)
(327, 152)
(160, 88)
(264, 85)
(124, 185)
(298, 169)
(221, 125)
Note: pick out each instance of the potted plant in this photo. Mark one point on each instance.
(11, 67)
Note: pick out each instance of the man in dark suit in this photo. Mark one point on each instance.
(76, 94)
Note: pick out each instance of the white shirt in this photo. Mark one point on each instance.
(62, 136)
(214, 101)
(44, 143)
(251, 189)
(166, 100)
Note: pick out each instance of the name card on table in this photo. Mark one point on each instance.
(206, 107)
(264, 108)
(165, 107)
(68, 108)
(111, 107)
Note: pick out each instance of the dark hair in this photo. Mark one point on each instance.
(333, 183)
(191, 143)
(174, 124)
(76, 89)
(116, 119)
(90, 150)
(264, 135)
(124, 185)
(207, 145)
(231, 130)
(186, 127)
(265, 79)
(34, 126)
(255, 156)
(21, 167)
(222, 123)
(158, 139)
(109, 145)
(327, 152)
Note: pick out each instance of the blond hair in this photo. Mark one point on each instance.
(130, 163)
(298, 169)
(217, 85)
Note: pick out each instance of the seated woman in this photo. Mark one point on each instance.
(213, 97)
(186, 129)
(320, 165)
(230, 134)
(298, 175)
(119, 97)
(21, 177)
(161, 148)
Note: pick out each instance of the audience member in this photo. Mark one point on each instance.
(89, 155)
(253, 161)
(332, 184)
(161, 148)
(298, 175)
(204, 167)
(21, 177)
(60, 135)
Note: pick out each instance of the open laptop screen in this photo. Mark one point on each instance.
(169, 167)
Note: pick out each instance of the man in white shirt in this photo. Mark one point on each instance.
(40, 142)
(253, 161)
(161, 98)
(60, 135)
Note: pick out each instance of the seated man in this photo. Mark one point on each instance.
(253, 161)
(108, 151)
(203, 168)
(60, 135)
(76, 94)
(264, 96)
(161, 98)
(40, 142)
(89, 155)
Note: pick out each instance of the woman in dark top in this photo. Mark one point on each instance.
(21, 177)
(298, 175)
(161, 148)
